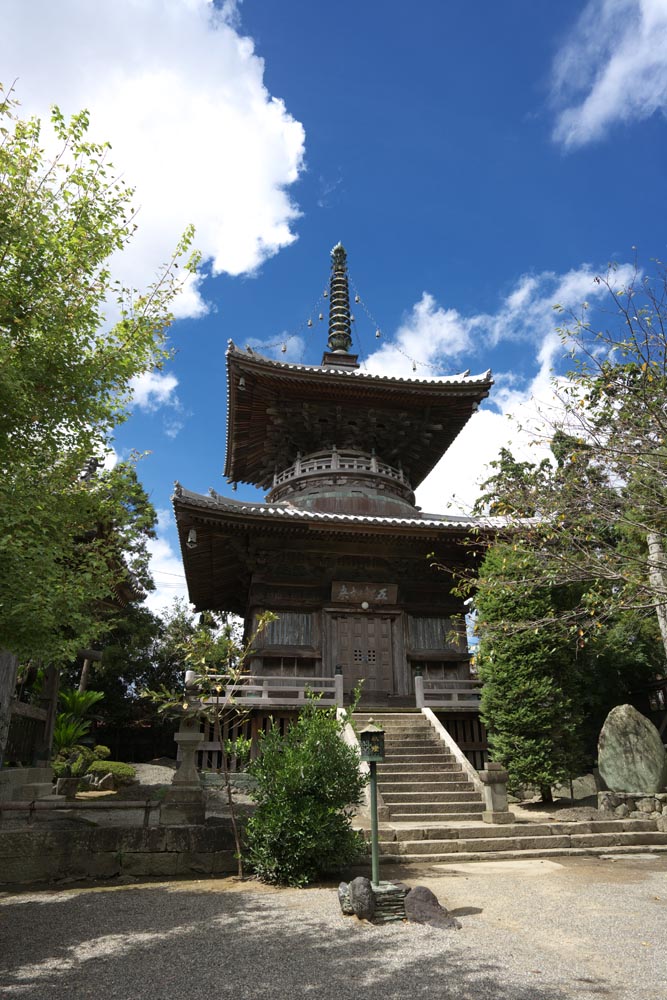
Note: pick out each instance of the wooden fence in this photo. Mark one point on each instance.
(209, 754)
(468, 731)
(31, 725)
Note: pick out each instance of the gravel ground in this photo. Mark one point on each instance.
(532, 930)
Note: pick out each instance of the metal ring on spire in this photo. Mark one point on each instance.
(340, 331)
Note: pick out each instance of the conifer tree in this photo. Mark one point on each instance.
(530, 698)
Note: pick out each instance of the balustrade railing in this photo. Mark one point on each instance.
(338, 461)
(253, 691)
(457, 695)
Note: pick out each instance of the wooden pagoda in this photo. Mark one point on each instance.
(338, 550)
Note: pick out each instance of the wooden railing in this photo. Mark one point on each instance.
(456, 695)
(338, 461)
(266, 692)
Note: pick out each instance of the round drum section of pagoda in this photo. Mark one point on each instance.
(344, 482)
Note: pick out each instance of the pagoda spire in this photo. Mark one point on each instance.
(340, 330)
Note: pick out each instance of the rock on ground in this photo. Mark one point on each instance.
(422, 907)
(631, 756)
(362, 897)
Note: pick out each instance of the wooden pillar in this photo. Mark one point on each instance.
(9, 665)
(50, 704)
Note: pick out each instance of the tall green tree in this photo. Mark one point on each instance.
(530, 697)
(554, 660)
(596, 517)
(65, 384)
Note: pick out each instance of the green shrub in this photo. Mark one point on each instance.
(307, 782)
(124, 774)
(78, 703)
(76, 760)
(240, 749)
(68, 732)
(73, 762)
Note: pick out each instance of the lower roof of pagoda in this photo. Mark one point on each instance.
(277, 410)
(285, 513)
(215, 560)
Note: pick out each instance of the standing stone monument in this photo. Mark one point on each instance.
(184, 803)
(631, 756)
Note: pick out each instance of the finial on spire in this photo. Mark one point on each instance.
(340, 332)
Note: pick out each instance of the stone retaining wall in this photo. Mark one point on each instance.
(78, 851)
(635, 805)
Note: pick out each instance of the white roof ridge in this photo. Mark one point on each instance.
(459, 379)
(289, 510)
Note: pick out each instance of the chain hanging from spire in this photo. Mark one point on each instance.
(340, 330)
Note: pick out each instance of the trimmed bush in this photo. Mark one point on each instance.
(307, 783)
(73, 762)
(124, 774)
(101, 752)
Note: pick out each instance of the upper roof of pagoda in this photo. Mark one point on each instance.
(278, 411)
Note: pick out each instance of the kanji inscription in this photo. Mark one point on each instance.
(355, 593)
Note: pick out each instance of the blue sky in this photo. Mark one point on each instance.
(480, 162)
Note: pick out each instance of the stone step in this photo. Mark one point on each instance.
(404, 732)
(414, 812)
(406, 780)
(419, 739)
(407, 725)
(527, 842)
(405, 798)
(380, 717)
(514, 855)
(448, 767)
(405, 729)
(428, 772)
(449, 831)
(471, 815)
(390, 788)
(407, 758)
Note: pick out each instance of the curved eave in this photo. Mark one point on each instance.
(216, 567)
(265, 424)
(252, 359)
(220, 507)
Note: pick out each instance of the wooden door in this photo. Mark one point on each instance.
(362, 645)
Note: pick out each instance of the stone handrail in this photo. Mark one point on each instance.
(454, 749)
(454, 694)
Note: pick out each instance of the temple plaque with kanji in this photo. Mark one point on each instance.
(372, 593)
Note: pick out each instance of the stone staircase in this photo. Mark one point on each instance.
(420, 781)
(435, 810)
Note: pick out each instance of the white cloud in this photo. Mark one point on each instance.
(522, 407)
(179, 93)
(612, 69)
(111, 458)
(428, 335)
(438, 340)
(454, 482)
(153, 390)
(166, 566)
